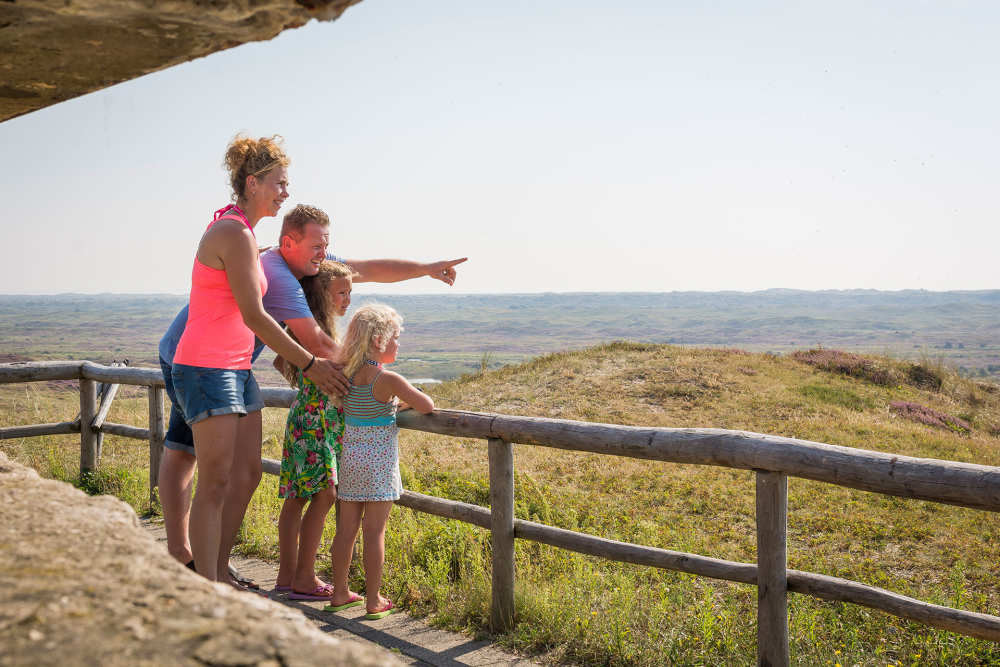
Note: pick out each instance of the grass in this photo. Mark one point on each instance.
(577, 609)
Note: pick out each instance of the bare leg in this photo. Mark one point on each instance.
(244, 478)
(216, 440)
(309, 538)
(348, 524)
(373, 528)
(289, 522)
(175, 482)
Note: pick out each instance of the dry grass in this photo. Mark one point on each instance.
(579, 609)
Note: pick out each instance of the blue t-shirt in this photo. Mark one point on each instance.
(284, 300)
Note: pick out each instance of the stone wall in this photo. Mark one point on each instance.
(54, 50)
(81, 582)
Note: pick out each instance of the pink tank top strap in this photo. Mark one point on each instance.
(221, 214)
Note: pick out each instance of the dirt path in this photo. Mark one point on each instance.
(409, 639)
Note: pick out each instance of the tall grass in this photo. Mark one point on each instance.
(580, 609)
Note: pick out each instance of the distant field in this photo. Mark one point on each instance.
(447, 336)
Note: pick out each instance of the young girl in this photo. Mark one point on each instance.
(309, 457)
(369, 460)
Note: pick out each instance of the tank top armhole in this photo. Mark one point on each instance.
(374, 380)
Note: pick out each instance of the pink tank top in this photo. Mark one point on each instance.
(215, 335)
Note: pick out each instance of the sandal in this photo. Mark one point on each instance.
(389, 608)
(320, 593)
(353, 601)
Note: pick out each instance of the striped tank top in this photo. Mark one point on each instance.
(361, 408)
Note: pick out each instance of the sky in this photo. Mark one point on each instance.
(562, 146)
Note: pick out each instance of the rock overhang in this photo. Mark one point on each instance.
(52, 51)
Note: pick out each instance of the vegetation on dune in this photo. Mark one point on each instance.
(579, 609)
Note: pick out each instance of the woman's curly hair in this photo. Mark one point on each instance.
(252, 157)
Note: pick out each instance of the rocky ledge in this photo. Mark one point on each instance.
(82, 583)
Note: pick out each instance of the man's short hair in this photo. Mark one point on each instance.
(295, 221)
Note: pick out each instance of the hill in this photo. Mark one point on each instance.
(589, 611)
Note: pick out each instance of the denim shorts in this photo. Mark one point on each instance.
(179, 436)
(210, 392)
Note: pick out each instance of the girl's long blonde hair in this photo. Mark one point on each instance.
(370, 329)
(317, 291)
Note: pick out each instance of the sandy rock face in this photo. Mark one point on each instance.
(54, 50)
(82, 583)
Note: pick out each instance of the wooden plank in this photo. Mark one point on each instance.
(150, 377)
(964, 484)
(107, 397)
(772, 563)
(34, 371)
(448, 509)
(271, 466)
(624, 552)
(59, 428)
(501, 463)
(971, 623)
(278, 397)
(125, 430)
(157, 434)
(89, 452)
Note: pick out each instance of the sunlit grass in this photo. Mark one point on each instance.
(590, 611)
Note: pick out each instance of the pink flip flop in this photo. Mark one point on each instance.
(318, 594)
(352, 601)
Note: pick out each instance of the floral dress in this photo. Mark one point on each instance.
(313, 435)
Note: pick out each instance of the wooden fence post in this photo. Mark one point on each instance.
(772, 574)
(501, 457)
(157, 434)
(90, 455)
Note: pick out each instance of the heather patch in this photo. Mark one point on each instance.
(922, 377)
(846, 363)
(929, 416)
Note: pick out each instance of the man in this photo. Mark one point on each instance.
(305, 235)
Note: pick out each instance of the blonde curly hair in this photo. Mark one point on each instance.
(370, 329)
(252, 157)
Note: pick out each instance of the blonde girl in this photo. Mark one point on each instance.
(309, 456)
(369, 461)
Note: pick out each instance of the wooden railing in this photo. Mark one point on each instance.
(772, 459)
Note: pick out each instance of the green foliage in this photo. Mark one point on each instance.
(836, 396)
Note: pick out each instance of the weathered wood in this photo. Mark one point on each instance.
(150, 377)
(90, 455)
(271, 466)
(772, 564)
(125, 430)
(964, 484)
(501, 463)
(971, 623)
(157, 434)
(448, 509)
(33, 430)
(278, 397)
(107, 397)
(745, 573)
(35, 371)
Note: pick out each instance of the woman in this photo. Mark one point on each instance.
(211, 367)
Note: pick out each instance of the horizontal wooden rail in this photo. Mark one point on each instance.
(125, 430)
(59, 428)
